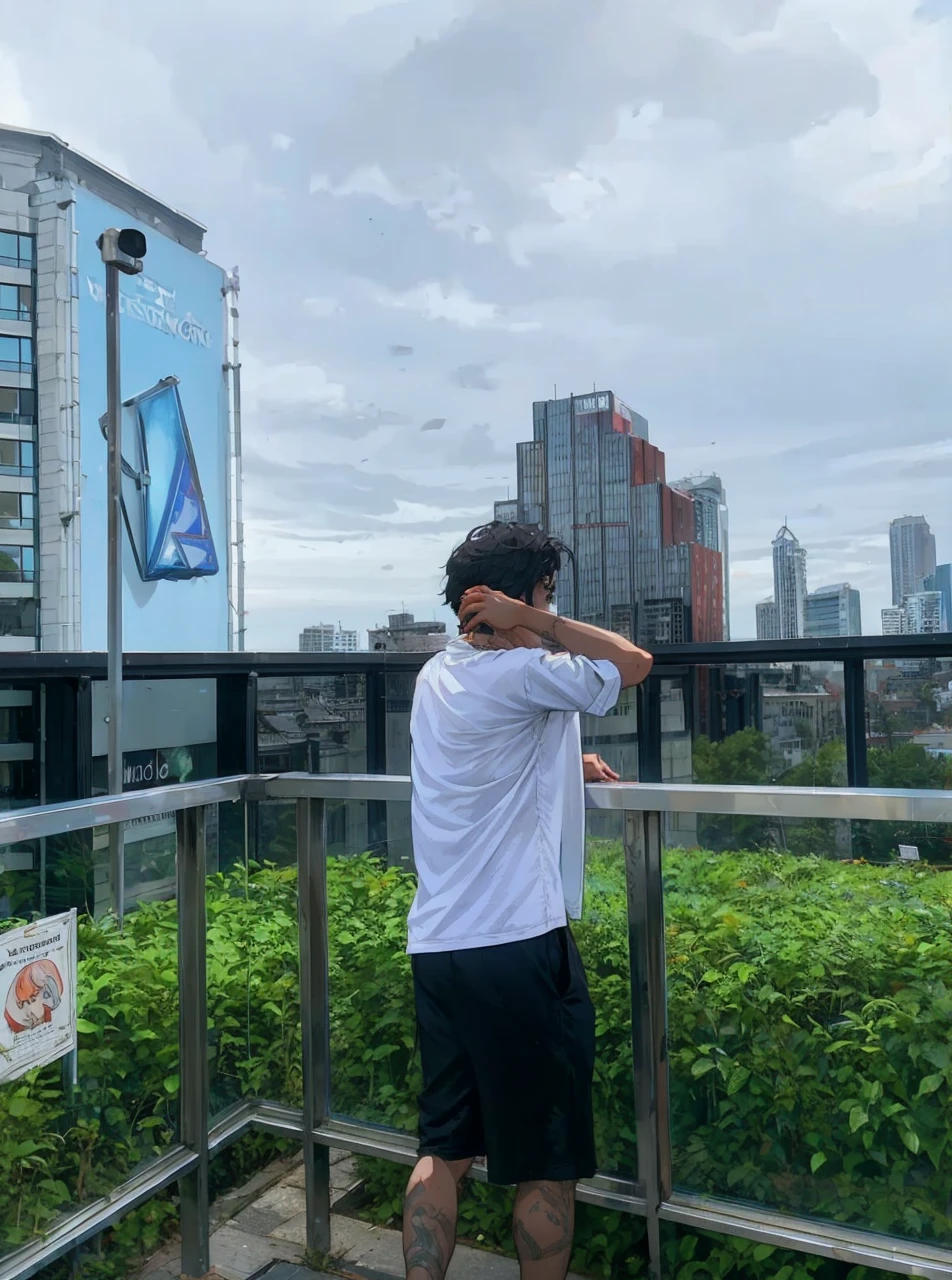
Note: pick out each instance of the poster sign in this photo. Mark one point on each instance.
(909, 852)
(38, 990)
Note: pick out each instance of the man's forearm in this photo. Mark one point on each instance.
(589, 642)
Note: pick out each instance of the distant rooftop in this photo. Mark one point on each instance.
(52, 157)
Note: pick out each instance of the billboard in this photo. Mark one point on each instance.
(175, 442)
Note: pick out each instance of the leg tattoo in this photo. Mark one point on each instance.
(429, 1218)
(544, 1226)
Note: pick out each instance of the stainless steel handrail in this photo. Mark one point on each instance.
(837, 803)
(80, 815)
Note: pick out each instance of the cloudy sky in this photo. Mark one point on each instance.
(735, 213)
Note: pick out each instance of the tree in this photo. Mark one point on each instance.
(742, 760)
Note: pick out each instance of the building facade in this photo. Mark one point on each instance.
(911, 556)
(181, 535)
(403, 634)
(832, 611)
(790, 583)
(768, 621)
(712, 527)
(920, 614)
(591, 477)
(943, 584)
(182, 539)
(326, 638)
(893, 621)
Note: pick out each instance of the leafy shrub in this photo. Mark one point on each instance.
(810, 1056)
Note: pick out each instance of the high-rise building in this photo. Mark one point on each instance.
(590, 477)
(911, 556)
(922, 613)
(943, 584)
(326, 638)
(790, 583)
(181, 538)
(925, 613)
(768, 620)
(894, 621)
(712, 527)
(832, 611)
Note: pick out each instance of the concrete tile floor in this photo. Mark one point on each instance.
(265, 1222)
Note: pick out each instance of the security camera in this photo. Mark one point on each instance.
(123, 249)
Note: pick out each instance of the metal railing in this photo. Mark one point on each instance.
(650, 1193)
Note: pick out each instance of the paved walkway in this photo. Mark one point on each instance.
(265, 1222)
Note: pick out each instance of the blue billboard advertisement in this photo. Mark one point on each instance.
(174, 442)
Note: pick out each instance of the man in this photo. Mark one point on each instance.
(506, 1025)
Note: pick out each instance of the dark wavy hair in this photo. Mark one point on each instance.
(512, 558)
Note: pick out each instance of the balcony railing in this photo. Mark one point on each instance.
(647, 1190)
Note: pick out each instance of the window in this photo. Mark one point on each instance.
(18, 618)
(18, 405)
(17, 457)
(15, 250)
(16, 302)
(16, 354)
(16, 564)
(16, 510)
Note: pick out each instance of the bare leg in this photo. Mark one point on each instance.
(543, 1226)
(429, 1216)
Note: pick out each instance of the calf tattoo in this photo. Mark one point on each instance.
(428, 1236)
(544, 1223)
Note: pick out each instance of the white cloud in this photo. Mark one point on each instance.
(455, 304)
(14, 108)
(659, 185)
(287, 383)
(281, 142)
(320, 308)
(898, 158)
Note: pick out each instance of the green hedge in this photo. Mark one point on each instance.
(810, 1010)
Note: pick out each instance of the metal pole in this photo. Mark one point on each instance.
(648, 1019)
(315, 1017)
(114, 585)
(193, 1037)
(854, 718)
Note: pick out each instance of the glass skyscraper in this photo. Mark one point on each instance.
(591, 477)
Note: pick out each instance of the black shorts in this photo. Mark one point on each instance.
(507, 1038)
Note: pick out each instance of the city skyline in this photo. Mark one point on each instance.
(707, 250)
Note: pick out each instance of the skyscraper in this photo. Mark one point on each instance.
(590, 477)
(832, 611)
(790, 583)
(768, 621)
(711, 527)
(911, 556)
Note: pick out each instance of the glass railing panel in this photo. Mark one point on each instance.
(766, 724)
(375, 1073)
(615, 738)
(809, 1005)
(75, 1128)
(602, 939)
(254, 1012)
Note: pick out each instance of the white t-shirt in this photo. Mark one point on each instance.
(498, 808)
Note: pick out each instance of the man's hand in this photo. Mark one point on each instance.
(594, 769)
(481, 606)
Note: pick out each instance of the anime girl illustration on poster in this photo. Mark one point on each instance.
(37, 994)
(34, 993)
